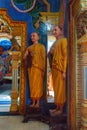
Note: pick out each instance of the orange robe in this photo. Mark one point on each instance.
(36, 69)
(59, 65)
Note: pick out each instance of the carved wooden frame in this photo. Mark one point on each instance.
(74, 10)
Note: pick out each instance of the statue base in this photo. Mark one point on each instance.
(33, 113)
(58, 122)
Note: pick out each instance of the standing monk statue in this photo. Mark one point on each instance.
(36, 55)
(58, 61)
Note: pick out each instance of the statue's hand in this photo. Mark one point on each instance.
(52, 50)
(64, 75)
(32, 53)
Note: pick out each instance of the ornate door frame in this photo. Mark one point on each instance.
(18, 27)
(74, 106)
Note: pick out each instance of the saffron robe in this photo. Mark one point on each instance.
(59, 65)
(36, 69)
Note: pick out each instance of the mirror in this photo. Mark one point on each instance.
(50, 92)
(12, 70)
(50, 19)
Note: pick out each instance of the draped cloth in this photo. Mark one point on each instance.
(59, 65)
(36, 69)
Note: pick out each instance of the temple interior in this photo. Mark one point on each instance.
(18, 20)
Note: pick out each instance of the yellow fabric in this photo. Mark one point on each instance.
(60, 55)
(59, 87)
(36, 70)
(59, 64)
(38, 55)
(36, 83)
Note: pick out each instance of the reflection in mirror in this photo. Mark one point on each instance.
(50, 92)
(50, 19)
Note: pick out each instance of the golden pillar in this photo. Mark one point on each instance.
(15, 78)
(83, 63)
(84, 115)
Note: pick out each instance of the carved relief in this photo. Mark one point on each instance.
(81, 24)
(82, 65)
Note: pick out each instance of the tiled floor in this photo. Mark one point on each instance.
(15, 123)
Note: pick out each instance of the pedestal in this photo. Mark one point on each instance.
(58, 122)
(35, 114)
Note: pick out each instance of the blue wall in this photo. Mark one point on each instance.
(15, 15)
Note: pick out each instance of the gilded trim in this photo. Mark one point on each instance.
(48, 5)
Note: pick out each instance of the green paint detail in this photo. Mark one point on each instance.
(35, 13)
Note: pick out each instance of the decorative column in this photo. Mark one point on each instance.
(83, 64)
(15, 78)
